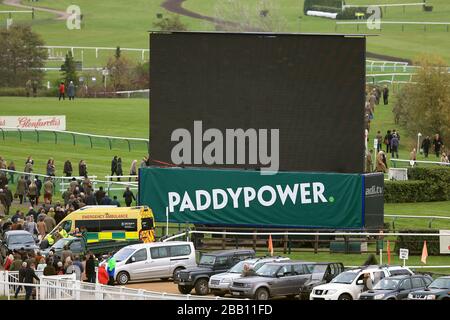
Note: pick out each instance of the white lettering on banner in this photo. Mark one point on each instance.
(266, 196)
(33, 122)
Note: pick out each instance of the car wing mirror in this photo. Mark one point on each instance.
(360, 282)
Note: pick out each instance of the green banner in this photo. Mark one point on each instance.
(247, 198)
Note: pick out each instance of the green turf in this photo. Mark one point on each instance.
(117, 22)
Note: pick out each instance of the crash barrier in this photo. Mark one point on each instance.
(425, 24)
(398, 163)
(60, 51)
(294, 240)
(66, 287)
(62, 183)
(72, 137)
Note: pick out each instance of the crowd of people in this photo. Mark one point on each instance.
(391, 140)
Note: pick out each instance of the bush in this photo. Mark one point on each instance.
(406, 191)
(309, 4)
(14, 92)
(415, 244)
(424, 185)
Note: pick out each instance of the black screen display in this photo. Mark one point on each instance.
(310, 87)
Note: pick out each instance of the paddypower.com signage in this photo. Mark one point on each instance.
(247, 198)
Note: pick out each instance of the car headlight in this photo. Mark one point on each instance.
(189, 277)
(410, 296)
(379, 296)
(247, 285)
(431, 297)
(331, 291)
(226, 280)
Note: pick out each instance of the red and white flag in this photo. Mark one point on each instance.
(424, 253)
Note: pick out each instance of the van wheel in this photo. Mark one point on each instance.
(345, 296)
(184, 289)
(123, 278)
(201, 287)
(262, 294)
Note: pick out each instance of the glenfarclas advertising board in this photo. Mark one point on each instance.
(247, 198)
(33, 122)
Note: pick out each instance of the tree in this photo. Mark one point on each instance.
(171, 23)
(68, 69)
(120, 73)
(21, 56)
(424, 105)
(242, 16)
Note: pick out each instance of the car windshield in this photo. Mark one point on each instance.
(318, 271)
(268, 270)
(61, 243)
(345, 277)
(123, 254)
(387, 284)
(207, 260)
(21, 239)
(441, 283)
(239, 267)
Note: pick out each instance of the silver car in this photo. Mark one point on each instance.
(219, 284)
(274, 279)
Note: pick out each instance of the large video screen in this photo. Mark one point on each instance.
(309, 87)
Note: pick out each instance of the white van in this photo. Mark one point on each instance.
(145, 261)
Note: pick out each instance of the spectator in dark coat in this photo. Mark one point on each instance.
(82, 168)
(99, 195)
(106, 201)
(90, 199)
(119, 168)
(71, 91)
(49, 270)
(394, 145)
(426, 143)
(128, 196)
(437, 143)
(29, 277)
(22, 272)
(68, 168)
(114, 166)
(114, 202)
(90, 268)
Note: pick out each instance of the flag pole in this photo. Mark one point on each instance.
(167, 221)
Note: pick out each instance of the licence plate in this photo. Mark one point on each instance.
(234, 293)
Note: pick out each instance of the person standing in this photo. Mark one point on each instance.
(21, 188)
(82, 168)
(114, 166)
(119, 168)
(90, 268)
(30, 275)
(38, 183)
(8, 198)
(133, 169)
(413, 155)
(22, 273)
(42, 227)
(387, 141)
(32, 193)
(128, 196)
(111, 269)
(71, 91)
(380, 165)
(394, 146)
(426, 143)
(68, 168)
(369, 162)
(62, 90)
(35, 86)
(51, 167)
(48, 190)
(437, 143)
(379, 138)
(386, 95)
(114, 202)
(11, 167)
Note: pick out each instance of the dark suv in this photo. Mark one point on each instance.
(323, 272)
(439, 289)
(210, 263)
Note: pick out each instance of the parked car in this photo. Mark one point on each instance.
(439, 289)
(210, 263)
(396, 287)
(17, 240)
(146, 261)
(79, 246)
(323, 272)
(349, 284)
(274, 279)
(219, 284)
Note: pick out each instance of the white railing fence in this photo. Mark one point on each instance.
(65, 287)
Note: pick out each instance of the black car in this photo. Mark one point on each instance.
(323, 272)
(210, 263)
(439, 289)
(17, 240)
(396, 287)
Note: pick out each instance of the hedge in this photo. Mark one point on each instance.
(424, 185)
(415, 243)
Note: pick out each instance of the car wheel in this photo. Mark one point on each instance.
(123, 278)
(345, 296)
(184, 289)
(175, 271)
(262, 294)
(201, 287)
